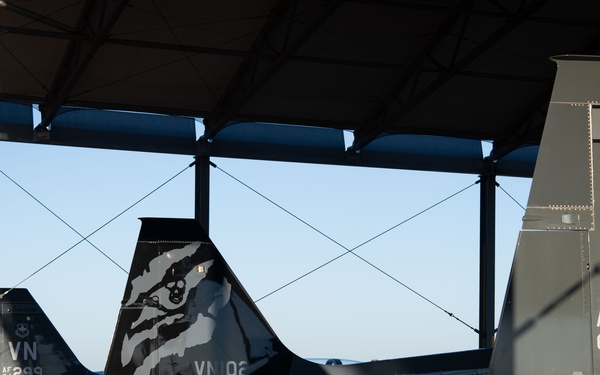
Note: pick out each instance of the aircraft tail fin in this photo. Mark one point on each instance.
(550, 321)
(184, 311)
(29, 342)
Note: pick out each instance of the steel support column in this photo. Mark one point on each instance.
(202, 190)
(487, 260)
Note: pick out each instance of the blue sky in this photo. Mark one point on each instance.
(347, 309)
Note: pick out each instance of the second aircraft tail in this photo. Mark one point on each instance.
(29, 342)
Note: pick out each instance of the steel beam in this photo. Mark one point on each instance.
(80, 53)
(251, 78)
(202, 191)
(487, 260)
(375, 126)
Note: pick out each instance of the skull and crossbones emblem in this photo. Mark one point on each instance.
(176, 290)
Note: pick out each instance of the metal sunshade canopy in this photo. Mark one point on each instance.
(418, 83)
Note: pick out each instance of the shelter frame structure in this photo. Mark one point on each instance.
(487, 254)
(417, 84)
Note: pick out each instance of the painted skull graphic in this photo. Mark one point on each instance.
(176, 290)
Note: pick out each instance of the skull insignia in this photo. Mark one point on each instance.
(176, 290)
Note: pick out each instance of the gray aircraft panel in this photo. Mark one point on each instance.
(550, 322)
(594, 278)
(561, 192)
(578, 80)
(546, 321)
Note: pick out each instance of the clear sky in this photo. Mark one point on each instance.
(347, 309)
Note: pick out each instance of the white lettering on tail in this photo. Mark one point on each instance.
(220, 367)
(29, 350)
(22, 370)
(14, 352)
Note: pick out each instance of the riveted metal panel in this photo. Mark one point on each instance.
(578, 80)
(593, 266)
(545, 322)
(561, 194)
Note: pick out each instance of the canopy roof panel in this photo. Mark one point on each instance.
(476, 70)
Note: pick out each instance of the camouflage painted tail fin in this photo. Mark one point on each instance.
(29, 343)
(185, 312)
(550, 322)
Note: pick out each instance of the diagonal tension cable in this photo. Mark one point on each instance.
(84, 238)
(510, 196)
(352, 251)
